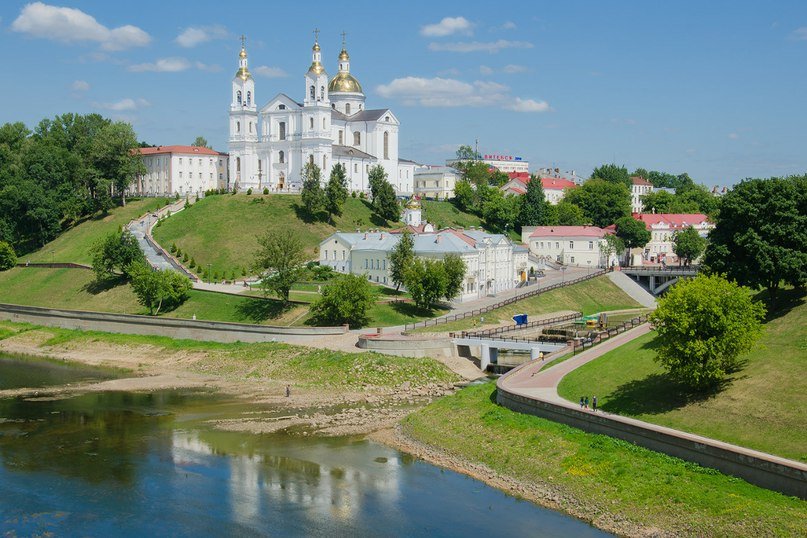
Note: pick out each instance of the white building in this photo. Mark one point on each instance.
(663, 227)
(554, 188)
(435, 182)
(639, 187)
(269, 146)
(180, 170)
(489, 258)
(503, 163)
(569, 245)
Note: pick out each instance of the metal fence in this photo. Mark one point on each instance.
(586, 343)
(490, 333)
(494, 306)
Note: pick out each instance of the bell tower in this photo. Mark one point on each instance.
(243, 125)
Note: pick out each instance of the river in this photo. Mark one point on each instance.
(139, 464)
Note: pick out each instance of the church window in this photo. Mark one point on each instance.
(357, 138)
(249, 98)
(310, 123)
(311, 158)
(180, 175)
(341, 137)
(250, 127)
(324, 162)
(281, 157)
(322, 92)
(359, 108)
(282, 126)
(386, 118)
(238, 164)
(324, 123)
(347, 109)
(312, 90)
(238, 127)
(386, 145)
(281, 107)
(356, 168)
(238, 96)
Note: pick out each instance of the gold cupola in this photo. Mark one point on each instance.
(316, 63)
(343, 81)
(243, 71)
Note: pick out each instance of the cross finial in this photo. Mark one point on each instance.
(344, 40)
(243, 41)
(316, 35)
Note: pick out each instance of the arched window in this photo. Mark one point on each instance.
(357, 138)
(282, 129)
(310, 123)
(347, 109)
(324, 123)
(322, 92)
(312, 90)
(341, 137)
(359, 108)
(238, 96)
(250, 127)
(386, 118)
(249, 98)
(386, 145)
(237, 164)
(311, 158)
(324, 162)
(281, 107)
(281, 157)
(238, 127)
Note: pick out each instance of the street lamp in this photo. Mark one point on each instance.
(562, 274)
(589, 266)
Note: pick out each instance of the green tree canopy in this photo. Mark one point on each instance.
(455, 269)
(688, 245)
(612, 173)
(312, 195)
(602, 202)
(201, 142)
(568, 214)
(8, 258)
(159, 291)
(704, 325)
(500, 211)
(345, 300)
(400, 258)
(535, 209)
(336, 192)
(117, 252)
(633, 233)
(385, 203)
(760, 235)
(425, 280)
(464, 195)
(376, 178)
(280, 261)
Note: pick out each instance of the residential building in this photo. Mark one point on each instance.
(502, 163)
(662, 227)
(568, 245)
(639, 187)
(172, 170)
(554, 188)
(435, 182)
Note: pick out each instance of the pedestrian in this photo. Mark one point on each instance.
(581, 402)
(586, 402)
(288, 391)
(594, 404)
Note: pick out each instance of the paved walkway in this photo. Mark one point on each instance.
(633, 289)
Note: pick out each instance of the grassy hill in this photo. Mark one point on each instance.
(761, 406)
(74, 244)
(222, 230)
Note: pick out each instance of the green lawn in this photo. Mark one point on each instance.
(222, 230)
(591, 296)
(603, 474)
(393, 314)
(446, 214)
(761, 407)
(74, 244)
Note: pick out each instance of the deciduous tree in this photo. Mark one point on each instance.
(568, 214)
(312, 195)
(345, 300)
(159, 290)
(455, 269)
(116, 252)
(688, 245)
(602, 202)
(634, 233)
(612, 173)
(425, 280)
(400, 258)
(336, 191)
(279, 261)
(8, 258)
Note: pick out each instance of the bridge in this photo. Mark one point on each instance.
(489, 347)
(656, 280)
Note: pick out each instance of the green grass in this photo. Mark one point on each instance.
(393, 314)
(591, 296)
(74, 244)
(222, 230)
(604, 474)
(762, 406)
(267, 361)
(446, 214)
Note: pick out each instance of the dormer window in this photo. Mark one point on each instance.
(281, 107)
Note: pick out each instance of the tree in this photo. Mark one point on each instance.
(454, 268)
(688, 245)
(376, 177)
(760, 235)
(534, 210)
(602, 202)
(201, 142)
(658, 202)
(612, 174)
(464, 195)
(336, 191)
(159, 290)
(116, 252)
(400, 258)
(500, 211)
(704, 324)
(115, 157)
(611, 246)
(633, 233)
(346, 300)
(312, 195)
(8, 258)
(467, 153)
(386, 204)
(568, 214)
(425, 279)
(280, 261)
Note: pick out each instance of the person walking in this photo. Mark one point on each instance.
(594, 404)
(581, 402)
(586, 402)
(288, 391)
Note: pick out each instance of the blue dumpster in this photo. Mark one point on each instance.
(520, 319)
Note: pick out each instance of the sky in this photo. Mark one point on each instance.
(716, 89)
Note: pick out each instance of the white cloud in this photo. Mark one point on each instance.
(447, 92)
(448, 26)
(163, 65)
(210, 68)
(512, 69)
(527, 105)
(491, 47)
(733, 136)
(80, 85)
(124, 104)
(509, 25)
(451, 71)
(70, 25)
(192, 36)
(270, 72)
(799, 34)
(485, 70)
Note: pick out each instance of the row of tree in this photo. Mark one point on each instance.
(63, 170)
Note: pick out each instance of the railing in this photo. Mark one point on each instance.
(485, 309)
(489, 333)
(671, 269)
(586, 343)
(55, 265)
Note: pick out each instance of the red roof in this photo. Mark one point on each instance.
(557, 183)
(192, 150)
(568, 231)
(519, 175)
(674, 220)
(636, 180)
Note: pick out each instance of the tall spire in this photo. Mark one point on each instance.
(316, 57)
(243, 70)
(344, 57)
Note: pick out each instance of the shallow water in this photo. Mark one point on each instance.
(134, 464)
(35, 373)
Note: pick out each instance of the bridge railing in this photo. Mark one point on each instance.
(586, 343)
(484, 310)
(671, 269)
(488, 333)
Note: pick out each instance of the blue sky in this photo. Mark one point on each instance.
(716, 89)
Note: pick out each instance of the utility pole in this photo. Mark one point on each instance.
(476, 150)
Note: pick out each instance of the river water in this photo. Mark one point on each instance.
(142, 464)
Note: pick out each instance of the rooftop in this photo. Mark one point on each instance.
(190, 150)
(568, 231)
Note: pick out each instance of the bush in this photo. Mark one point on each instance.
(215, 276)
(243, 271)
(159, 290)
(116, 252)
(249, 191)
(192, 263)
(266, 190)
(353, 194)
(178, 253)
(232, 276)
(8, 258)
(346, 300)
(362, 196)
(185, 257)
(173, 248)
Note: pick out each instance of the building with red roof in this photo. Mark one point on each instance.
(568, 245)
(639, 187)
(663, 227)
(554, 187)
(172, 170)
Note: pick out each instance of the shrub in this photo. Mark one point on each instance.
(362, 195)
(8, 258)
(192, 263)
(232, 276)
(249, 191)
(243, 271)
(215, 276)
(346, 300)
(266, 190)
(353, 194)
(185, 257)
(173, 248)
(178, 253)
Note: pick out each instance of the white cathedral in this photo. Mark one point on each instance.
(270, 147)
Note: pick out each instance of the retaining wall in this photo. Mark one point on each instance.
(433, 347)
(779, 474)
(214, 331)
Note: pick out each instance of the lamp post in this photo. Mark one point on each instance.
(209, 275)
(562, 274)
(589, 267)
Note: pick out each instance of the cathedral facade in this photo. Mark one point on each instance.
(270, 146)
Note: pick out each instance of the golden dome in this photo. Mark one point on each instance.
(316, 68)
(414, 203)
(243, 73)
(344, 82)
(243, 53)
(344, 55)
(315, 48)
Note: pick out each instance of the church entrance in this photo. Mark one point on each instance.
(281, 181)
